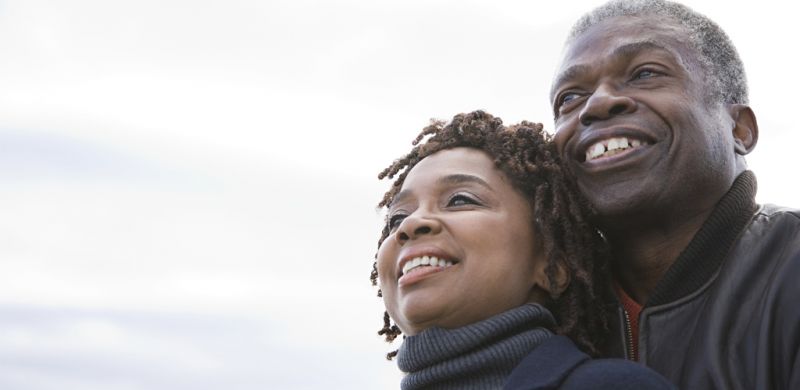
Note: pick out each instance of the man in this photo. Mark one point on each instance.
(651, 112)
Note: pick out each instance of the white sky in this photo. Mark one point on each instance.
(187, 188)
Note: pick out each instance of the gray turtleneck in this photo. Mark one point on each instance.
(476, 356)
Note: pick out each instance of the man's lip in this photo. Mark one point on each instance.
(590, 137)
(412, 253)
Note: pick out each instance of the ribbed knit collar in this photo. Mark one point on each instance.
(476, 356)
(706, 252)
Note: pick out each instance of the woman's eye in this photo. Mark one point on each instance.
(461, 200)
(396, 220)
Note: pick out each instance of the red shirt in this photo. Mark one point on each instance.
(632, 308)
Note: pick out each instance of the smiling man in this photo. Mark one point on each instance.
(652, 117)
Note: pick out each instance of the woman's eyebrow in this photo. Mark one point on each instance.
(461, 178)
(399, 198)
(456, 178)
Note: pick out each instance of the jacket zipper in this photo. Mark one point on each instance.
(628, 336)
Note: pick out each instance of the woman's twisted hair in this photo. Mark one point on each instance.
(559, 215)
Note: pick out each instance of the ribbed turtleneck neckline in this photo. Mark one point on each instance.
(476, 356)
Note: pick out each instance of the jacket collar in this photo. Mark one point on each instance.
(705, 254)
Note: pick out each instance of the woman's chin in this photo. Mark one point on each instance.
(418, 316)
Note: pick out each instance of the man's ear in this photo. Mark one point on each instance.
(745, 130)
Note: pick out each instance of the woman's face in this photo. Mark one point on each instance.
(459, 213)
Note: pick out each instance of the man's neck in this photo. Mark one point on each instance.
(644, 253)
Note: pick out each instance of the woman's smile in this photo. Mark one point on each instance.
(416, 262)
(418, 272)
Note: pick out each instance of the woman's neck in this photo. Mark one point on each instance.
(479, 355)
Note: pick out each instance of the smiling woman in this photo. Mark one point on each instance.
(485, 236)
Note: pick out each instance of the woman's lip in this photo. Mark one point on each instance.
(419, 274)
(412, 253)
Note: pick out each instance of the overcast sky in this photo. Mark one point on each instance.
(188, 188)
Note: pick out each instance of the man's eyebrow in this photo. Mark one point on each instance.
(625, 51)
(569, 74)
(635, 48)
(456, 178)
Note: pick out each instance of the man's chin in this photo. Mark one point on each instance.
(623, 208)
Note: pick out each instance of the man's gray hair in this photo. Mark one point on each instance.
(718, 56)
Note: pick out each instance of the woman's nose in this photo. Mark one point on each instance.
(417, 225)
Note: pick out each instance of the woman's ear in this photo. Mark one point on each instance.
(560, 280)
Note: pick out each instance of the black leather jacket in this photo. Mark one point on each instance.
(726, 315)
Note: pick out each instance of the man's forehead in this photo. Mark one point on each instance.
(618, 31)
(582, 61)
(623, 37)
(637, 23)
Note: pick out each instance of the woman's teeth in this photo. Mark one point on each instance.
(425, 261)
(610, 147)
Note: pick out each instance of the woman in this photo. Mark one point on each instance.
(484, 239)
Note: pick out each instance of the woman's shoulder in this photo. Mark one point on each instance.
(558, 364)
(616, 374)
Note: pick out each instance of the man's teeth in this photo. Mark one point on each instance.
(431, 261)
(610, 147)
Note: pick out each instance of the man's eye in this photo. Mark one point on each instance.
(461, 200)
(396, 220)
(645, 74)
(566, 98)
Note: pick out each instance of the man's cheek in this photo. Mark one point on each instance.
(560, 139)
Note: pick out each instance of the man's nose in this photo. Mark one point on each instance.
(605, 103)
(416, 225)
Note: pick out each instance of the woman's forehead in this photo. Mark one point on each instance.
(460, 160)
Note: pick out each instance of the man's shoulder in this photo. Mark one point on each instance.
(769, 210)
(771, 245)
(776, 225)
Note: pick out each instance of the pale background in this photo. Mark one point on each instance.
(187, 188)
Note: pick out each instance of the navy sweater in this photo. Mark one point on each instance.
(558, 364)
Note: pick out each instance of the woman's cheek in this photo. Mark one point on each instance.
(385, 268)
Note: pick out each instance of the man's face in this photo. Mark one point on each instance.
(634, 123)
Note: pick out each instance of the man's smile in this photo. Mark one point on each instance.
(602, 148)
(611, 147)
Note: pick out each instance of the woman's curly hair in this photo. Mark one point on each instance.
(560, 215)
